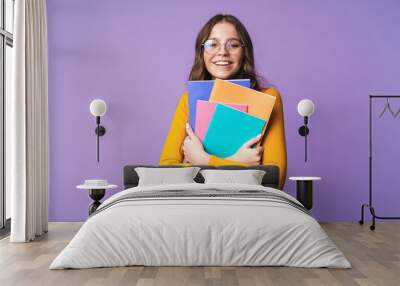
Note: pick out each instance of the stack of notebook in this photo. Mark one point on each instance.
(226, 114)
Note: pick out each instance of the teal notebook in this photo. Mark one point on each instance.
(229, 129)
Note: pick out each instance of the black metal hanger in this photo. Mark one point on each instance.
(388, 107)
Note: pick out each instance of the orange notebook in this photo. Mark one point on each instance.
(258, 103)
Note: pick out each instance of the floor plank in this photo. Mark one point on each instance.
(375, 257)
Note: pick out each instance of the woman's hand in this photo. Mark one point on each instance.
(193, 149)
(248, 155)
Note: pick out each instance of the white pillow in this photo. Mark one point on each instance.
(162, 176)
(249, 177)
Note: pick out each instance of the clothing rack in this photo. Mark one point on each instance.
(370, 202)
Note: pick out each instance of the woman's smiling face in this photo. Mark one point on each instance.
(224, 63)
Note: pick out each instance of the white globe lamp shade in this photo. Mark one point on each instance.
(305, 107)
(98, 107)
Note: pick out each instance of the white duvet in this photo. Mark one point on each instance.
(200, 231)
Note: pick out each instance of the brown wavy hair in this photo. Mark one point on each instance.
(247, 69)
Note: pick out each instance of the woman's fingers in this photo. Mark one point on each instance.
(257, 154)
(185, 141)
(187, 138)
(252, 141)
(189, 131)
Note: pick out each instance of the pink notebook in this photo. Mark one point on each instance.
(204, 113)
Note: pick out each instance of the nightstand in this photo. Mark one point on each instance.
(97, 190)
(304, 190)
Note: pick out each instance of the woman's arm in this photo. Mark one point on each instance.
(172, 153)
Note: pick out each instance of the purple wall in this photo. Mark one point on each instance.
(137, 56)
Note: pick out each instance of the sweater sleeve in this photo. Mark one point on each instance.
(274, 141)
(172, 153)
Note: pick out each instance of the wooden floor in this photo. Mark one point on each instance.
(375, 257)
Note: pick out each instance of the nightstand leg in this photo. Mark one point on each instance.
(305, 193)
(93, 207)
(96, 195)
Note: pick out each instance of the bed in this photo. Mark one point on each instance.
(201, 224)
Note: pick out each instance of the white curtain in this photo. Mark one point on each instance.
(27, 124)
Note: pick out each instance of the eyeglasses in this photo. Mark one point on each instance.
(212, 46)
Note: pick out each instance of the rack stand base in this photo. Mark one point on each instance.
(372, 211)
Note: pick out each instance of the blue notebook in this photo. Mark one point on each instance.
(201, 90)
(229, 129)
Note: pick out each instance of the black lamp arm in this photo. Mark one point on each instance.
(304, 131)
(100, 131)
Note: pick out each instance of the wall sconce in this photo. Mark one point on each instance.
(98, 108)
(305, 108)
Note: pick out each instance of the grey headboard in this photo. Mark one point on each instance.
(270, 179)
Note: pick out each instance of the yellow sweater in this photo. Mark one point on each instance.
(274, 142)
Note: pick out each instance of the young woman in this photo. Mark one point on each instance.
(224, 50)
